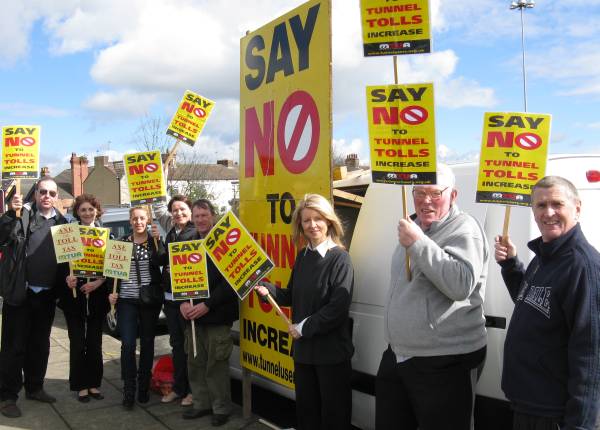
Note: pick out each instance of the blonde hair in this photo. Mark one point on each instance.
(320, 204)
(140, 208)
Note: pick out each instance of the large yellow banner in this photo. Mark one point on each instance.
(67, 242)
(189, 276)
(94, 246)
(145, 177)
(285, 152)
(402, 133)
(236, 254)
(117, 259)
(189, 120)
(21, 151)
(395, 27)
(514, 150)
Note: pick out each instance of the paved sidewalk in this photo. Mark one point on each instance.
(68, 413)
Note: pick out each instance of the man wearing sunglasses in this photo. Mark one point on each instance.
(433, 319)
(29, 275)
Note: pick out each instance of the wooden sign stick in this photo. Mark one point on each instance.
(278, 309)
(152, 222)
(193, 331)
(18, 192)
(505, 228)
(114, 291)
(71, 274)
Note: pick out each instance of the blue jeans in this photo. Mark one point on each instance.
(175, 322)
(132, 316)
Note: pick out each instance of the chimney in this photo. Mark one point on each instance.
(45, 172)
(352, 162)
(79, 173)
(226, 163)
(101, 160)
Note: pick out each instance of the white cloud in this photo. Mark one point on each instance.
(121, 102)
(25, 110)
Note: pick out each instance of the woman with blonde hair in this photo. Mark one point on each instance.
(319, 292)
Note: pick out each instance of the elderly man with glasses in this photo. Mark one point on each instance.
(434, 321)
(29, 274)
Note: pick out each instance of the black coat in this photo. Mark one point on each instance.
(14, 234)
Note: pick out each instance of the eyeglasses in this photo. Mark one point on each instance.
(43, 192)
(433, 195)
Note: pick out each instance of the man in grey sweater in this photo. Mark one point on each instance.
(434, 321)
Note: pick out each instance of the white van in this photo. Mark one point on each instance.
(371, 235)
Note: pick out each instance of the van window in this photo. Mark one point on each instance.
(119, 228)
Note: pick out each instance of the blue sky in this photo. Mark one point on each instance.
(90, 71)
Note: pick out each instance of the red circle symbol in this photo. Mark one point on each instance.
(414, 115)
(151, 167)
(194, 258)
(303, 132)
(528, 141)
(199, 112)
(233, 236)
(98, 243)
(28, 141)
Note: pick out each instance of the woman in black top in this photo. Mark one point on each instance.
(84, 315)
(138, 305)
(320, 293)
(183, 230)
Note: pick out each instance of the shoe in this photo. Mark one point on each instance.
(96, 395)
(187, 401)
(218, 420)
(143, 396)
(192, 413)
(168, 398)
(10, 409)
(83, 398)
(40, 396)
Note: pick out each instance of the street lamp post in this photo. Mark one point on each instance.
(523, 4)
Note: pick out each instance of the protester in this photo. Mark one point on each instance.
(433, 319)
(180, 228)
(209, 370)
(84, 314)
(29, 276)
(551, 370)
(320, 293)
(138, 305)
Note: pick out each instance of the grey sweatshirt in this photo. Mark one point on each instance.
(440, 311)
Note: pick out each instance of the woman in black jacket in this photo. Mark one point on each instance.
(320, 293)
(138, 305)
(84, 314)
(182, 230)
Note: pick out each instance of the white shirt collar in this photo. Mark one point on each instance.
(51, 215)
(323, 247)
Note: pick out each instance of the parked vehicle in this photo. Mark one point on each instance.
(371, 238)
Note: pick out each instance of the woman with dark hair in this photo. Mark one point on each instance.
(84, 313)
(182, 229)
(138, 306)
(320, 293)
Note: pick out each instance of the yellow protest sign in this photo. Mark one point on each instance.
(285, 152)
(145, 177)
(514, 150)
(21, 151)
(94, 245)
(402, 133)
(117, 259)
(236, 254)
(395, 28)
(67, 242)
(190, 118)
(189, 276)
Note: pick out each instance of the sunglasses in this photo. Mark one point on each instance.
(52, 193)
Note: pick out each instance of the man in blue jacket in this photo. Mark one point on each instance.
(552, 350)
(29, 276)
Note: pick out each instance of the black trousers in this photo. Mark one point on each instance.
(85, 357)
(181, 384)
(428, 393)
(25, 344)
(323, 396)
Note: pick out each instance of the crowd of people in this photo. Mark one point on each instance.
(433, 320)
